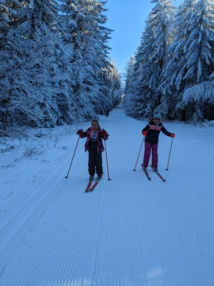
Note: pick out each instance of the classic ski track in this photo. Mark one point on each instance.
(58, 174)
(114, 236)
(28, 211)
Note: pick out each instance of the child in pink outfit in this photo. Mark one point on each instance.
(151, 133)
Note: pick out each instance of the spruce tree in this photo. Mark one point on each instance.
(191, 55)
(196, 79)
(90, 54)
(151, 59)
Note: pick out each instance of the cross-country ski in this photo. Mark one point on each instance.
(146, 173)
(91, 186)
(159, 175)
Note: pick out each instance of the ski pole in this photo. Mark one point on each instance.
(138, 154)
(107, 161)
(167, 168)
(72, 158)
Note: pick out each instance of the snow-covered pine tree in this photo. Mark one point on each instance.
(11, 15)
(191, 58)
(128, 90)
(90, 58)
(151, 58)
(198, 101)
(134, 101)
(176, 59)
(31, 62)
(47, 65)
(111, 89)
(199, 52)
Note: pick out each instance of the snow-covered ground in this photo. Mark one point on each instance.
(129, 231)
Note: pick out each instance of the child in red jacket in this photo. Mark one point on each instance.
(94, 146)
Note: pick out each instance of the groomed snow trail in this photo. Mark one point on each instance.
(129, 231)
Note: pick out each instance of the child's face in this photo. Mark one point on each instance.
(156, 120)
(94, 125)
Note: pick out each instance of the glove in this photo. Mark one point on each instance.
(104, 133)
(80, 133)
(144, 133)
(172, 135)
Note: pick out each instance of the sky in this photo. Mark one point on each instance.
(129, 230)
(127, 19)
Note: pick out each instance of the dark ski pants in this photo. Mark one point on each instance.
(148, 148)
(94, 160)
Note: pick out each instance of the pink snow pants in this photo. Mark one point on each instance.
(147, 151)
